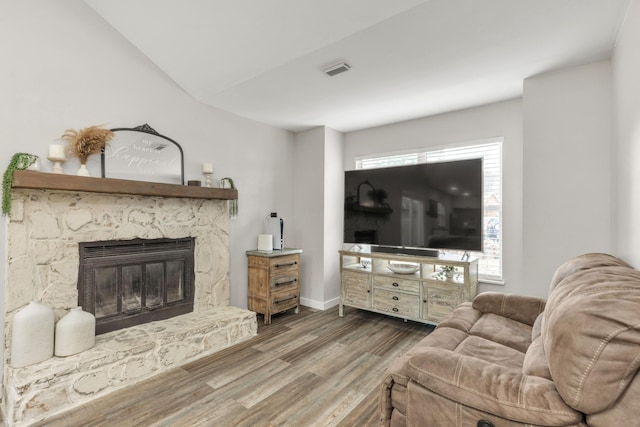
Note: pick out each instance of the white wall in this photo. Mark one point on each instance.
(308, 213)
(567, 169)
(63, 67)
(503, 119)
(318, 210)
(333, 214)
(626, 135)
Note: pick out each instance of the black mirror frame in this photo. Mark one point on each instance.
(145, 128)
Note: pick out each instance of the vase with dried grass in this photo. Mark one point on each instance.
(85, 142)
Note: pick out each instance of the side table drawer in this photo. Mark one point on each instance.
(281, 301)
(284, 282)
(397, 303)
(284, 264)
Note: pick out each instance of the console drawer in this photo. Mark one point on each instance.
(395, 284)
(397, 303)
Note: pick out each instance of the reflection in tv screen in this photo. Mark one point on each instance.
(430, 205)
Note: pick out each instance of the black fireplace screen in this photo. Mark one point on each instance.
(124, 283)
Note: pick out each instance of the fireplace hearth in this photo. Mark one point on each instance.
(126, 283)
(52, 215)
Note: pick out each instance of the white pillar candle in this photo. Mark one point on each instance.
(56, 151)
(207, 168)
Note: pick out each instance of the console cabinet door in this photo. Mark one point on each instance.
(440, 301)
(356, 289)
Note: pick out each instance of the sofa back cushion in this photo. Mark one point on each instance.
(584, 262)
(591, 331)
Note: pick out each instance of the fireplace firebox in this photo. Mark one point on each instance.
(126, 283)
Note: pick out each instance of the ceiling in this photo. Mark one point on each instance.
(263, 59)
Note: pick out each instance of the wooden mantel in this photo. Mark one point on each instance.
(53, 181)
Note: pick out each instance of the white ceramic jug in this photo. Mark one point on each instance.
(75, 332)
(32, 335)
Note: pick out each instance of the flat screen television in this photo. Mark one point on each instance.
(424, 206)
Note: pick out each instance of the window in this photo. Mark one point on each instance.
(490, 264)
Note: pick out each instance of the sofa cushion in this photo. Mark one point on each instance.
(393, 388)
(428, 409)
(490, 351)
(620, 414)
(524, 309)
(490, 387)
(463, 317)
(503, 330)
(535, 361)
(536, 330)
(591, 331)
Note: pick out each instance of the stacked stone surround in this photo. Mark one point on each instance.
(44, 229)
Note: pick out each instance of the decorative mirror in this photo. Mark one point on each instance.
(142, 154)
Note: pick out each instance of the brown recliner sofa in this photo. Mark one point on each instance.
(507, 360)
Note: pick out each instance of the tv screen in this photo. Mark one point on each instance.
(430, 205)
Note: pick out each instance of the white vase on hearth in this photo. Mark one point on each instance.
(75, 332)
(32, 335)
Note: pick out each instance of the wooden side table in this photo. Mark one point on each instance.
(274, 281)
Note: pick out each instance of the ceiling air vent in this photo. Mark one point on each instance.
(338, 68)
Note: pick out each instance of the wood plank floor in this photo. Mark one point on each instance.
(310, 369)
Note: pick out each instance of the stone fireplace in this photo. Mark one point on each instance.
(51, 217)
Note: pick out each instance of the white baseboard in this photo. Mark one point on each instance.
(319, 305)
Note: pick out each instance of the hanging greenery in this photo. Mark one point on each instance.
(19, 161)
(232, 204)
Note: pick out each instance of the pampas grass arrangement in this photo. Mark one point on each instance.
(87, 141)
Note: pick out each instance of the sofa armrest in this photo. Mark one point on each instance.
(522, 308)
(488, 387)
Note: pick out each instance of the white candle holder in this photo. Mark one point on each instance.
(57, 163)
(207, 178)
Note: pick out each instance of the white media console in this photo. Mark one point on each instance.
(419, 288)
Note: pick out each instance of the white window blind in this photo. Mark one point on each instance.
(490, 264)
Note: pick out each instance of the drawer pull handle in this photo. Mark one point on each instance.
(287, 264)
(395, 309)
(278, 301)
(395, 298)
(285, 283)
(395, 284)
